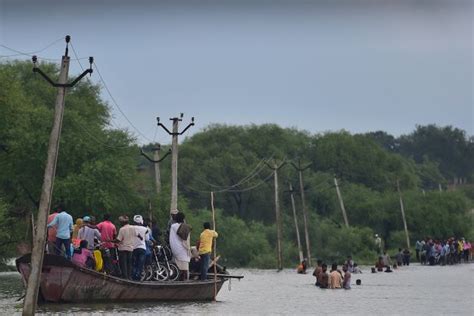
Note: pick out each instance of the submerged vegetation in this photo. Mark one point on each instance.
(100, 170)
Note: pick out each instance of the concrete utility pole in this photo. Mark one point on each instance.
(300, 250)
(275, 167)
(156, 157)
(341, 203)
(156, 160)
(402, 209)
(37, 255)
(300, 170)
(174, 155)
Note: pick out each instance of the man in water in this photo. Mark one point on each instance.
(386, 259)
(346, 283)
(323, 277)
(318, 271)
(335, 278)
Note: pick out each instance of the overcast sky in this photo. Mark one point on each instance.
(317, 65)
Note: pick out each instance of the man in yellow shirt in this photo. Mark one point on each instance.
(205, 246)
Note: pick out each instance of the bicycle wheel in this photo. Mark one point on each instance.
(160, 273)
(174, 272)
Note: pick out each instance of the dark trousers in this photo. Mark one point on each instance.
(67, 247)
(205, 259)
(138, 262)
(417, 255)
(125, 261)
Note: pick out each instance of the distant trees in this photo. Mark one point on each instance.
(100, 169)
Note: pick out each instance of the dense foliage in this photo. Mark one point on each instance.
(100, 170)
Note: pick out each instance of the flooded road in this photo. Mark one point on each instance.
(413, 290)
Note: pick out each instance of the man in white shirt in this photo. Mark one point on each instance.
(142, 234)
(126, 242)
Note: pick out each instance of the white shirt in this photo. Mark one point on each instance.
(144, 233)
(178, 246)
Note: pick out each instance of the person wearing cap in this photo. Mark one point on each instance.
(142, 235)
(88, 233)
(63, 222)
(126, 241)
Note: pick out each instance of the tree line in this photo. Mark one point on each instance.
(100, 170)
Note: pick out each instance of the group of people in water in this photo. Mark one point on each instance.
(335, 278)
(124, 252)
(428, 252)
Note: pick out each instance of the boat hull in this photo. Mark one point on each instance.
(62, 281)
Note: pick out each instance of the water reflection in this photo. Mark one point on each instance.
(408, 290)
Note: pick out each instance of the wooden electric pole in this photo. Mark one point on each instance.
(402, 209)
(37, 254)
(174, 156)
(341, 203)
(300, 250)
(300, 170)
(275, 167)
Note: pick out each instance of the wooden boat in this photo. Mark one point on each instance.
(63, 281)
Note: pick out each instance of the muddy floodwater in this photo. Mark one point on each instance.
(413, 290)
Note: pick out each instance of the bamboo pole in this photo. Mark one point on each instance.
(214, 245)
(341, 203)
(402, 209)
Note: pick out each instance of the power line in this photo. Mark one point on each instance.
(116, 104)
(257, 170)
(30, 54)
(189, 188)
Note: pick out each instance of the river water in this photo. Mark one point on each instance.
(413, 290)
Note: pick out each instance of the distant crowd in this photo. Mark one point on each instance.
(443, 252)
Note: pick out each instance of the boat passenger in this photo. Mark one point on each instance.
(323, 277)
(180, 245)
(88, 233)
(346, 283)
(317, 271)
(335, 278)
(126, 240)
(108, 233)
(142, 236)
(63, 223)
(205, 246)
(83, 256)
(52, 231)
(75, 232)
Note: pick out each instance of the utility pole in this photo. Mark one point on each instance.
(156, 160)
(275, 167)
(341, 203)
(300, 170)
(300, 250)
(37, 255)
(402, 209)
(156, 157)
(174, 157)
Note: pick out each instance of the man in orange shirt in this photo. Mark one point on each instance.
(205, 246)
(52, 234)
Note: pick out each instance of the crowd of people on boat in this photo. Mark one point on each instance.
(125, 251)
